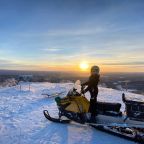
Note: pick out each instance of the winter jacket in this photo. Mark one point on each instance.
(92, 84)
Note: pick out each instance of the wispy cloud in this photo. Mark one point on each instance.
(51, 49)
(4, 62)
(76, 31)
(15, 65)
(125, 63)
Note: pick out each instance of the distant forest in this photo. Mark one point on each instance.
(133, 82)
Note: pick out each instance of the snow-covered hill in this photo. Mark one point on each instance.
(22, 120)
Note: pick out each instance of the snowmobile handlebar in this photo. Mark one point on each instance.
(74, 92)
(82, 90)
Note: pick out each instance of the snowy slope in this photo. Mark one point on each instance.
(22, 120)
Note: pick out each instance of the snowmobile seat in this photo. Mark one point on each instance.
(106, 108)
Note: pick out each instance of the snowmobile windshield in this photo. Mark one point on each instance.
(77, 86)
(76, 90)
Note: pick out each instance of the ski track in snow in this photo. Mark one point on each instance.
(22, 120)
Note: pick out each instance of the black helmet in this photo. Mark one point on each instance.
(95, 70)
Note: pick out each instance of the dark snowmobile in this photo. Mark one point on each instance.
(110, 119)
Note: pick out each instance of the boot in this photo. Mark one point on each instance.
(93, 119)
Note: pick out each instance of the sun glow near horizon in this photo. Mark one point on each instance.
(84, 66)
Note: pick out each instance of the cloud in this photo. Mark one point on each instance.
(51, 49)
(125, 63)
(11, 64)
(76, 31)
(5, 62)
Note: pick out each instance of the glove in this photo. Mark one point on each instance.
(82, 91)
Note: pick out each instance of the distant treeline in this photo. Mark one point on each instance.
(120, 81)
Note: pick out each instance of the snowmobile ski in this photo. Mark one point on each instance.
(57, 120)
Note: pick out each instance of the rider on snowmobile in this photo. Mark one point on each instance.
(92, 87)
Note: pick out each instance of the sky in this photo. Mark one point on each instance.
(60, 34)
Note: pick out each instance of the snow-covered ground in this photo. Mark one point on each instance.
(22, 120)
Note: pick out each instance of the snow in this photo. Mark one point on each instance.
(22, 120)
(54, 91)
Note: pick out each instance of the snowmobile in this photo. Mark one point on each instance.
(75, 107)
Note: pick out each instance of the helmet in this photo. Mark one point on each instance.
(95, 70)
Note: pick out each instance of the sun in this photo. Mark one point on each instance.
(84, 66)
